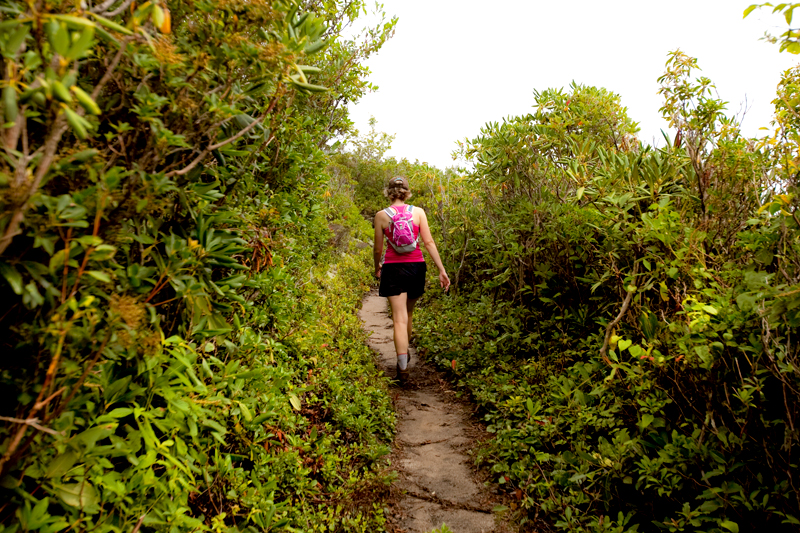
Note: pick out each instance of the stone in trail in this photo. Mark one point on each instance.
(435, 480)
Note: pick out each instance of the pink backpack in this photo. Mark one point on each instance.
(401, 230)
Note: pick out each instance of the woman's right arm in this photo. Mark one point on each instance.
(430, 246)
(377, 247)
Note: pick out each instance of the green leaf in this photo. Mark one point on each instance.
(730, 525)
(100, 276)
(15, 41)
(61, 464)
(58, 36)
(309, 87)
(90, 436)
(316, 46)
(579, 192)
(709, 506)
(57, 260)
(213, 424)
(9, 482)
(75, 224)
(750, 9)
(76, 122)
(158, 16)
(624, 344)
(75, 22)
(89, 240)
(647, 419)
(10, 103)
(79, 495)
(295, 401)
(81, 44)
(309, 69)
(84, 155)
(112, 25)
(245, 412)
(85, 100)
(260, 418)
(12, 277)
(104, 252)
(747, 300)
(32, 297)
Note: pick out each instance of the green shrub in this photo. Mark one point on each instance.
(625, 317)
(182, 351)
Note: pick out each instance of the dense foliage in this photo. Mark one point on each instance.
(180, 350)
(181, 254)
(363, 170)
(626, 317)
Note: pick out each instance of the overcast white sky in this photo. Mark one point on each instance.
(454, 65)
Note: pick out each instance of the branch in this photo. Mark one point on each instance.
(624, 309)
(210, 148)
(119, 10)
(33, 422)
(90, 250)
(50, 147)
(86, 371)
(12, 448)
(139, 524)
(794, 216)
(111, 68)
(102, 7)
(785, 294)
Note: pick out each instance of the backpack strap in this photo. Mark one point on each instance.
(392, 211)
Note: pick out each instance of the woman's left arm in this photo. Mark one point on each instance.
(430, 246)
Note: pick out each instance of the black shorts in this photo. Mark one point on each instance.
(397, 278)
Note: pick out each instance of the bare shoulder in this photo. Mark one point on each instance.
(382, 218)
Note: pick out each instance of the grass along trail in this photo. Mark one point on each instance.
(436, 484)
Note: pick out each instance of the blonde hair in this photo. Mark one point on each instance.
(397, 189)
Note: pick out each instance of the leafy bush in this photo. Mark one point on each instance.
(181, 348)
(625, 316)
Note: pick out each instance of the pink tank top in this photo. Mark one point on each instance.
(411, 257)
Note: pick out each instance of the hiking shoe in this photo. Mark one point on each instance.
(402, 375)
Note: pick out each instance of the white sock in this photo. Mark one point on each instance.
(402, 360)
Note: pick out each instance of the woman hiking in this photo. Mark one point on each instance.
(402, 271)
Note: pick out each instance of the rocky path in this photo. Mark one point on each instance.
(436, 484)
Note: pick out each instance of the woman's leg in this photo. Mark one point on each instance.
(401, 322)
(410, 303)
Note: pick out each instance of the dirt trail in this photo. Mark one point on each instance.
(436, 484)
